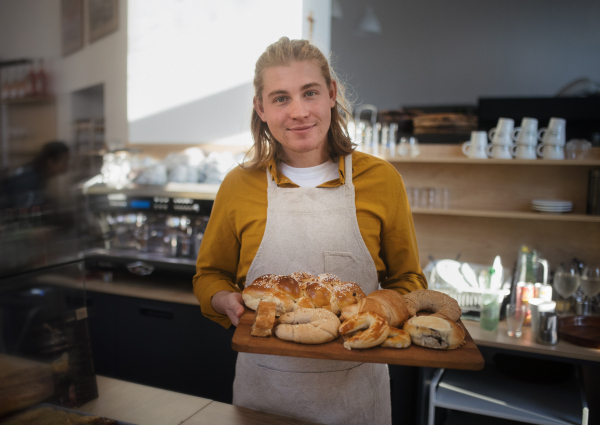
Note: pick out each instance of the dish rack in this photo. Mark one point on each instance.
(469, 299)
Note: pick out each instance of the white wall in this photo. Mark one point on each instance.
(31, 29)
(434, 52)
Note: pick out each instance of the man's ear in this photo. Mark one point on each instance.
(333, 93)
(259, 109)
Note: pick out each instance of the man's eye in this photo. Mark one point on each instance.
(310, 93)
(280, 99)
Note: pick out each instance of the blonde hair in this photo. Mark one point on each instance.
(283, 52)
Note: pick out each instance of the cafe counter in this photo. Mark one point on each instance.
(140, 404)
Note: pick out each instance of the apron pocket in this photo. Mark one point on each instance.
(316, 396)
(338, 263)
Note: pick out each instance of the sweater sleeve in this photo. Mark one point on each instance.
(399, 249)
(218, 257)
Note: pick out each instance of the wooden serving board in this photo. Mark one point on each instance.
(466, 357)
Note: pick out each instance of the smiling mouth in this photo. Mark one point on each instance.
(302, 128)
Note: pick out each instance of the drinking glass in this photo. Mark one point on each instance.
(590, 285)
(515, 315)
(490, 310)
(566, 282)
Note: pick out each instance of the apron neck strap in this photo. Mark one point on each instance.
(348, 170)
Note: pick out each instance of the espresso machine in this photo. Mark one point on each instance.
(145, 228)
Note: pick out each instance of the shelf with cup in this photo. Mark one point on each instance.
(493, 161)
(489, 206)
(452, 154)
(508, 214)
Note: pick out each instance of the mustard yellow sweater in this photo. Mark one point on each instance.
(238, 219)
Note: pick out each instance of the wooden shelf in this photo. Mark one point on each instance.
(29, 100)
(492, 161)
(509, 215)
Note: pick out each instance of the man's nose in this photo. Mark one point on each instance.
(298, 109)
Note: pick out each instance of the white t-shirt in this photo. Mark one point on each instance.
(311, 176)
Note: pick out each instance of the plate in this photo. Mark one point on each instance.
(580, 330)
(549, 202)
(449, 272)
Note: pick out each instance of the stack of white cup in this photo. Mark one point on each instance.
(526, 138)
(553, 139)
(501, 138)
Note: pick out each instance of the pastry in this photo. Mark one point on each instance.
(365, 330)
(435, 332)
(397, 338)
(308, 326)
(264, 319)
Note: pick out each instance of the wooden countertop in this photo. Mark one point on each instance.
(142, 405)
(526, 343)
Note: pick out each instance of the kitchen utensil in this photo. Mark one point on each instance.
(548, 329)
(580, 330)
(537, 306)
(502, 133)
(527, 134)
(555, 133)
(476, 147)
(515, 315)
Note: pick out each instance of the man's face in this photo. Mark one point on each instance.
(296, 105)
(59, 165)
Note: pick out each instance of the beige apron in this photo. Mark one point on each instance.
(314, 230)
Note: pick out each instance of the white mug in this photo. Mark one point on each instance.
(551, 151)
(527, 134)
(555, 133)
(476, 147)
(524, 151)
(502, 133)
(499, 151)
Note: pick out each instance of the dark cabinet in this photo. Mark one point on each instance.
(161, 344)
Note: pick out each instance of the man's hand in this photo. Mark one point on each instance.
(229, 303)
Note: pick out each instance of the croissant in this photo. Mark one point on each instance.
(387, 303)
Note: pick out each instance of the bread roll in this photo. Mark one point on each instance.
(435, 332)
(440, 304)
(397, 338)
(365, 330)
(308, 326)
(387, 303)
(264, 319)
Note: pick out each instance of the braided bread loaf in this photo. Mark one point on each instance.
(302, 290)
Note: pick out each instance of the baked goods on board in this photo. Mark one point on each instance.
(302, 290)
(264, 319)
(435, 332)
(308, 326)
(309, 304)
(364, 330)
